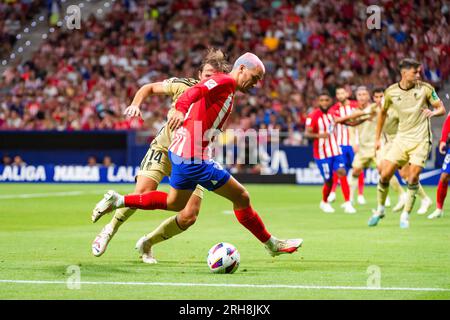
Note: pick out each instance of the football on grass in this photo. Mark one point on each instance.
(223, 258)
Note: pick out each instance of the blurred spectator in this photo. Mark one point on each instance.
(107, 161)
(18, 161)
(433, 74)
(92, 161)
(6, 160)
(54, 10)
(13, 16)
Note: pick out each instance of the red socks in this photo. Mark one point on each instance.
(252, 221)
(148, 201)
(345, 188)
(326, 190)
(441, 194)
(361, 183)
(335, 182)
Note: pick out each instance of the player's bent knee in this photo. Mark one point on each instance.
(190, 212)
(356, 172)
(145, 185)
(385, 177)
(341, 172)
(144, 190)
(173, 206)
(244, 199)
(186, 220)
(413, 180)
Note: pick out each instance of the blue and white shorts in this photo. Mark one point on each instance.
(329, 165)
(187, 174)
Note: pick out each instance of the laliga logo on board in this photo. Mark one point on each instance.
(23, 173)
(123, 174)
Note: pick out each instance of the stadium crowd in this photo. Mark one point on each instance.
(84, 79)
(14, 14)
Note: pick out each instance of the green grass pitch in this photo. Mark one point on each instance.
(40, 237)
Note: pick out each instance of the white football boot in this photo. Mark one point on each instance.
(145, 250)
(404, 220)
(348, 207)
(438, 213)
(361, 200)
(276, 247)
(101, 241)
(326, 207)
(106, 205)
(425, 204)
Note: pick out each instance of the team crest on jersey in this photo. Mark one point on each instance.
(210, 84)
(434, 95)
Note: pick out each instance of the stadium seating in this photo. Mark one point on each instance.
(83, 79)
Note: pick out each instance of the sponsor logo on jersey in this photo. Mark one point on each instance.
(210, 84)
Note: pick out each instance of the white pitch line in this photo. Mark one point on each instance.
(233, 285)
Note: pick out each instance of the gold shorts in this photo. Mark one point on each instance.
(364, 160)
(383, 151)
(403, 152)
(156, 165)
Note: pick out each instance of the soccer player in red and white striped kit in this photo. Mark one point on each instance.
(327, 153)
(442, 188)
(344, 107)
(203, 109)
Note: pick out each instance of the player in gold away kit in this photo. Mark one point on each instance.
(411, 99)
(389, 132)
(156, 165)
(365, 151)
(390, 129)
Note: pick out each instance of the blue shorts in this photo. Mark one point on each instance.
(446, 163)
(348, 155)
(187, 174)
(329, 165)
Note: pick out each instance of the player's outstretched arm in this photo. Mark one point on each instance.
(354, 123)
(182, 105)
(156, 88)
(311, 135)
(350, 119)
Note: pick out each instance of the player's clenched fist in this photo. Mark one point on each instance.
(175, 120)
(132, 111)
(428, 113)
(442, 147)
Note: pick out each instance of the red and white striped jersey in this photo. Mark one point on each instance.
(342, 131)
(321, 122)
(206, 106)
(445, 129)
